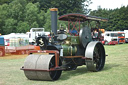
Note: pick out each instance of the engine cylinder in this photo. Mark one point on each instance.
(69, 50)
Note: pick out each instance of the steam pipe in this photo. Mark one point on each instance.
(54, 20)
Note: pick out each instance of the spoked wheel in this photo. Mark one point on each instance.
(41, 62)
(96, 54)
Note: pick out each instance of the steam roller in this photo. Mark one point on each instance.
(65, 51)
(41, 65)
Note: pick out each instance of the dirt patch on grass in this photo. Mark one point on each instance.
(14, 56)
(10, 56)
(2, 83)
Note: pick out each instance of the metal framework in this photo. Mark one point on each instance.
(75, 18)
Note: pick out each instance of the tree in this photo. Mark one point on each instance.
(22, 27)
(65, 6)
(3, 16)
(118, 18)
(5, 1)
(16, 9)
(34, 16)
(31, 12)
(18, 13)
(10, 26)
(47, 24)
(21, 15)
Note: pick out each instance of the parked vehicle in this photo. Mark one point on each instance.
(19, 45)
(13, 35)
(126, 35)
(19, 50)
(6, 39)
(121, 37)
(111, 37)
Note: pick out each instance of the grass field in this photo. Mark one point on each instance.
(115, 71)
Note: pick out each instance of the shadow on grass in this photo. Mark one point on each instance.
(83, 70)
(110, 66)
(79, 71)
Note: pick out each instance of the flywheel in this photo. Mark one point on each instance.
(96, 56)
(85, 36)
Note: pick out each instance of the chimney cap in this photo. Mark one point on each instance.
(53, 9)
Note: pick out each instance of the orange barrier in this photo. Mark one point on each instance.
(37, 47)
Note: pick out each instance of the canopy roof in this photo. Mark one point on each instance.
(81, 17)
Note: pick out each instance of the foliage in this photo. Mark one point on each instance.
(21, 15)
(47, 24)
(118, 18)
(65, 6)
(22, 27)
(3, 16)
(5, 1)
(10, 24)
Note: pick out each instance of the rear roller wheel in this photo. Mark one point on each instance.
(95, 51)
(43, 62)
(54, 74)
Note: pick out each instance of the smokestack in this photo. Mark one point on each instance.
(54, 20)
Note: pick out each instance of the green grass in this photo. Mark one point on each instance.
(115, 71)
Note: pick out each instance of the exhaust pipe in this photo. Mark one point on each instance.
(54, 20)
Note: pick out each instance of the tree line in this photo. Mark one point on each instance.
(117, 18)
(18, 16)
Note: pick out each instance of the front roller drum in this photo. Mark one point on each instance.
(96, 56)
(42, 62)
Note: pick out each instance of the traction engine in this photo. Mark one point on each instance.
(62, 51)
